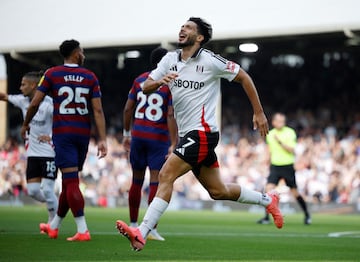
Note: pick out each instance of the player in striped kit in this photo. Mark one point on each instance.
(41, 171)
(153, 137)
(73, 88)
(193, 75)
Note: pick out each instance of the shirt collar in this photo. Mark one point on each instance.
(71, 65)
(195, 55)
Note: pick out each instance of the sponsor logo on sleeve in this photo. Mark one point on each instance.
(230, 66)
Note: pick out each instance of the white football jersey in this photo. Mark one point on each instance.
(41, 124)
(196, 90)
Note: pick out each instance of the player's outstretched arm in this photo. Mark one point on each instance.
(151, 85)
(3, 97)
(127, 118)
(33, 108)
(100, 125)
(259, 119)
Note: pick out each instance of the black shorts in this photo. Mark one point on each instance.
(197, 149)
(43, 167)
(286, 172)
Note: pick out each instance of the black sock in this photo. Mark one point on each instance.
(266, 217)
(302, 204)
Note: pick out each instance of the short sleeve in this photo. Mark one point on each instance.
(162, 68)
(96, 91)
(132, 92)
(224, 68)
(16, 100)
(45, 83)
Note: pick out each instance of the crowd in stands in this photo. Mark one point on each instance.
(321, 101)
(327, 167)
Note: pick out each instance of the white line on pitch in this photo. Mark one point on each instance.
(355, 234)
(348, 234)
(212, 234)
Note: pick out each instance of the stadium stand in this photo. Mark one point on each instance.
(314, 79)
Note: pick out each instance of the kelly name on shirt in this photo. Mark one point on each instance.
(73, 78)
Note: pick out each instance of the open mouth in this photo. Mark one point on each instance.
(181, 37)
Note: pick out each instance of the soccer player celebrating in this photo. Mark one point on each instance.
(41, 171)
(72, 88)
(149, 143)
(281, 142)
(193, 75)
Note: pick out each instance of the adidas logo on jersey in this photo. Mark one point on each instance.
(173, 68)
(181, 150)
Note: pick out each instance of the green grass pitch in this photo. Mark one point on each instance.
(190, 236)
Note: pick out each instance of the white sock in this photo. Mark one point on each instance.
(253, 197)
(47, 186)
(34, 190)
(152, 215)
(134, 224)
(81, 224)
(56, 222)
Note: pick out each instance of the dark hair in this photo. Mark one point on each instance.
(35, 75)
(156, 56)
(67, 47)
(204, 28)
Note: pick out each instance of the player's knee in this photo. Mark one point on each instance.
(47, 192)
(165, 177)
(217, 194)
(32, 192)
(33, 189)
(47, 187)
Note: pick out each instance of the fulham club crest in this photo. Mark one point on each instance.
(199, 68)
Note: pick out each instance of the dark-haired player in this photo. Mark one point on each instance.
(193, 75)
(41, 171)
(73, 88)
(153, 137)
